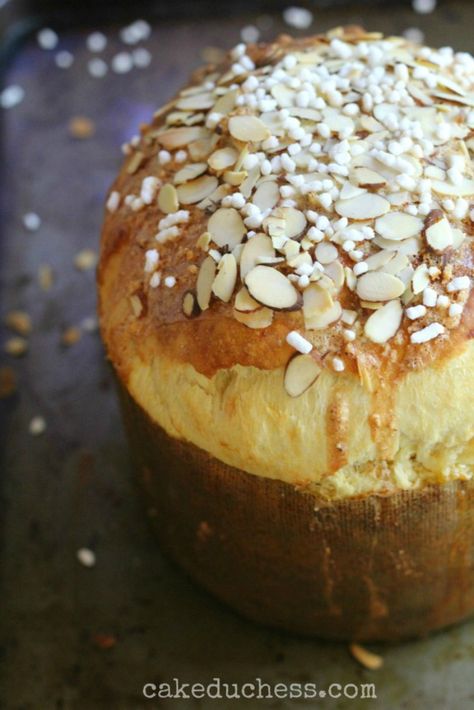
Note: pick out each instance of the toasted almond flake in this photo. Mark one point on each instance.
(205, 279)
(189, 172)
(380, 258)
(348, 191)
(248, 129)
(244, 301)
(225, 103)
(283, 95)
(285, 221)
(335, 271)
(384, 323)
(168, 199)
(326, 252)
(203, 241)
(210, 202)
(397, 226)
(136, 306)
(378, 286)
(224, 283)
(190, 305)
(266, 195)
(226, 227)
(319, 309)
(203, 147)
(301, 372)
(260, 318)
(16, 346)
(179, 137)
(197, 190)
(438, 232)
(420, 279)
(256, 248)
(196, 102)
(223, 158)
(337, 121)
(362, 207)
(366, 658)
(465, 188)
(396, 265)
(272, 288)
(135, 162)
(365, 177)
(235, 177)
(19, 321)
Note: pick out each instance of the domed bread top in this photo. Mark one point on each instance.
(308, 196)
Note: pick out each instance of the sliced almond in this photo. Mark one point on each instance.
(244, 303)
(348, 191)
(319, 309)
(190, 305)
(380, 258)
(336, 120)
(285, 221)
(335, 271)
(235, 177)
(168, 199)
(201, 148)
(224, 283)
(398, 225)
(256, 248)
(384, 323)
(420, 279)
(248, 129)
(205, 279)
(362, 207)
(210, 202)
(463, 189)
(197, 102)
(326, 252)
(378, 286)
(226, 227)
(266, 195)
(301, 372)
(197, 190)
(272, 288)
(223, 158)
(365, 177)
(283, 95)
(226, 102)
(261, 318)
(135, 162)
(396, 265)
(438, 232)
(179, 137)
(189, 172)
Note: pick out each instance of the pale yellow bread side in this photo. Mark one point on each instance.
(244, 417)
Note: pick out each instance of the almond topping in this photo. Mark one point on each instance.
(223, 158)
(266, 195)
(438, 232)
(248, 128)
(190, 305)
(226, 227)
(195, 103)
(365, 177)
(257, 247)
(197, 190)
(168, 199)
(224, 283)
(319, 309)
(179, 137)
(326, 252)
(260, 318)
(398, 225)
(420, 279)
(378, 286)
(272, 288)
(244, 303)
(384, 323)
(301, 372)
(189, 172)
(461, 189)
(361, 207)
(205, 279)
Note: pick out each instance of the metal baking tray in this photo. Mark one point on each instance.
(83, 638)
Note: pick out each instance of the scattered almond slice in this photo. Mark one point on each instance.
(420, 279)
(224, 283)
(168, 199)
(336, 120)
(398, 226)
(366, 658)
(248, 129)
(137, 309)
(348, 191)
(189, 172)
(395, 265)
(225, 103)
(365, 177)
(463, 189)
(179, 137)
(380, 258)
(260, 318)
(319, 309)
(438, 232)
(190, 305)
(196, 102)
(301, 372)
(244, 303)
(362, 207)
(384, 322)
(283, 95)
(326, 252)
(205, 279)
(226, 227)
(200, 149)
(272, 288)
(235, 177)
(223, 158)
(197, 190)
(285, 221)
(135, 162)
(266, 195)
(378, 286)
(335, 271)
(257, 247)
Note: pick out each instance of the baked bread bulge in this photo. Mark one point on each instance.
(285, 296)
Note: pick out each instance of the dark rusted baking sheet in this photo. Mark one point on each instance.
(79, 638)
